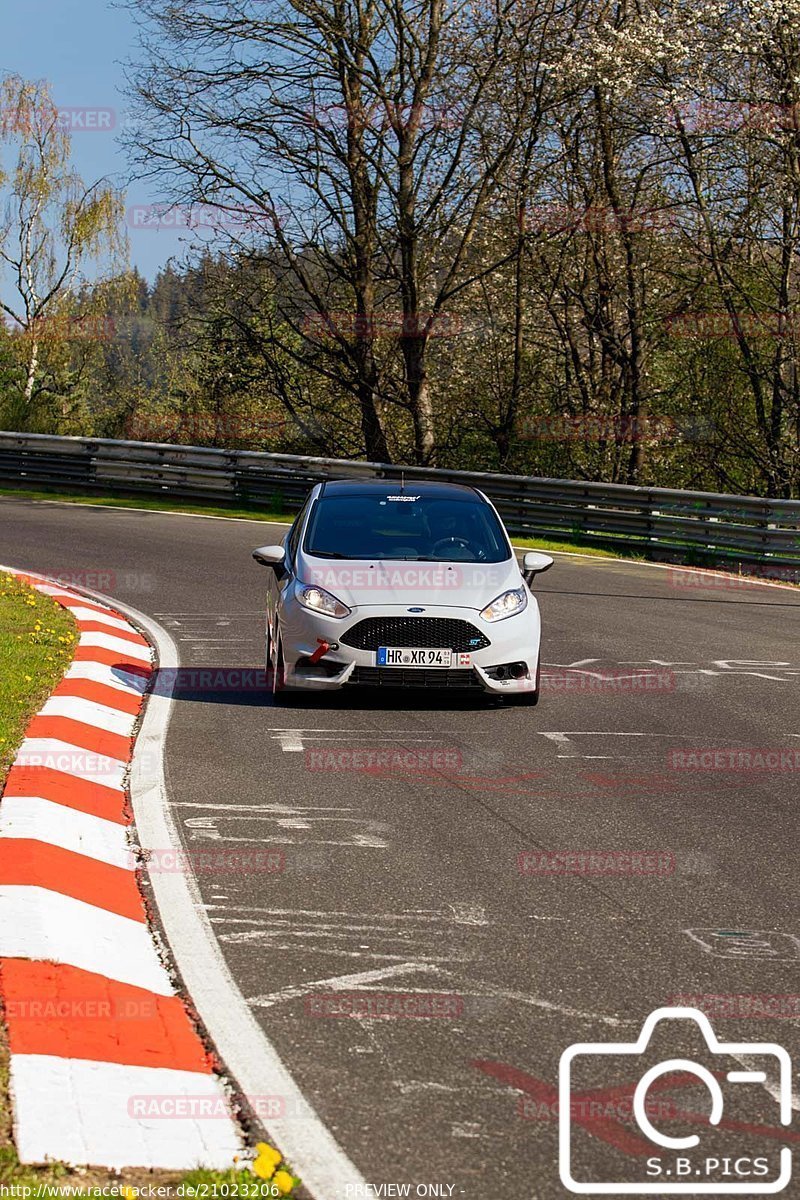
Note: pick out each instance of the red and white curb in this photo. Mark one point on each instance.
(107, 1067)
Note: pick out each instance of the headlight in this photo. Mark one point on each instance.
(318, 600)
(507, 605)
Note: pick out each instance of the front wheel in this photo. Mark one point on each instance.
(276, 668)
(276, 672)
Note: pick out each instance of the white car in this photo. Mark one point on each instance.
(411, 584)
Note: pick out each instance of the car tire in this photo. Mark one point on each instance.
(281, 692)
(276, 671)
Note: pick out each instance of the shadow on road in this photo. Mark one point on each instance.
(251, 687)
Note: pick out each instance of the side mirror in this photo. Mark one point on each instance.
(533, 563)
(271, 556)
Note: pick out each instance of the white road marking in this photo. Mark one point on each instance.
(458, 985)
(616, 733)
(205, 828)
(466, 1129)
(357, 735)
(337, 983)
(288, 809)
(469, 914)
(291, 740)
(426, 914)
(563, 739)
(563, 742)
(96, 1125)
(761, 945)
(375, 937)
(329, 930)
(215, 641)
(337, 952)
(58, 825)
(253, 1061)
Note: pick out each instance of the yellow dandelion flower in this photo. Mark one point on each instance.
(267, 1160)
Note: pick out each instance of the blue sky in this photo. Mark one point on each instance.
(80, 46)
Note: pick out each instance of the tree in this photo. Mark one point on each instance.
(51, 225)
(366, 140)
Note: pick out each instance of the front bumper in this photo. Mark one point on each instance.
(513, 643)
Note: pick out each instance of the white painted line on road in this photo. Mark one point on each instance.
(291, 741)
(308, 1145)
(329, 729)
(337, 983)
(459, 984)
(425, 914)
(563, 743)
(287, 809)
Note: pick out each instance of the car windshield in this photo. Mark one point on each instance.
(406, 526)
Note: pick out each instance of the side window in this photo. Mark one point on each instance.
(294, 533)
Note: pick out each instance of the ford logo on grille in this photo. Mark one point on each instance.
(415, 610)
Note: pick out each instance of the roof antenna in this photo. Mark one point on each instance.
(402, 481)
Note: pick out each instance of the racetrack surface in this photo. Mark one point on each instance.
(409, 881)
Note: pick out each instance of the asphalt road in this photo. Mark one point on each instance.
(409, 882)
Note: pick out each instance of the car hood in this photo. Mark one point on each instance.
(359, 583)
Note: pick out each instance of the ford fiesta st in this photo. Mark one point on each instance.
(410, 585)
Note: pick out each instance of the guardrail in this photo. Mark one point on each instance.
(657, 522)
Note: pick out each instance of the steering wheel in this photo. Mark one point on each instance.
(450, 541)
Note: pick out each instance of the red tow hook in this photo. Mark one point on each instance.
(321, 650)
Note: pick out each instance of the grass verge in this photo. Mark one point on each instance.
(549, 546)
(151, 504)
(37, 637)
(37, 640)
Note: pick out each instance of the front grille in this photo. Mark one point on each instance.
(423, 632)
(417, 677)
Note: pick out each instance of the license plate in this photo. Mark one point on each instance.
(408, 656)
